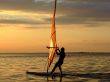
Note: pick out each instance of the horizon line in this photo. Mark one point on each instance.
(48, 52)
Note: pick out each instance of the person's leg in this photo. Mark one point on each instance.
(54, 68)
(60, 70)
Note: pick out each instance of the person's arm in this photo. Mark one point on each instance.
(58, 51)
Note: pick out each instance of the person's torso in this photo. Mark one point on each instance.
(61, 57)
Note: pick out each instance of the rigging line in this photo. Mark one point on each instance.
(53, 33)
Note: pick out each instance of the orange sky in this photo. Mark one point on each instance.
(23, 30)
(17, 38)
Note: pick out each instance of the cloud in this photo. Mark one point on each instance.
(25, 5)
(68, 11)
(84, 12)
(13, 17)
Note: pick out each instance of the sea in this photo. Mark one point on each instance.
(77, 67)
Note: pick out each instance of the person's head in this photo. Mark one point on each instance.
(62, 49)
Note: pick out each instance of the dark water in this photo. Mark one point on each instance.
(80, 68)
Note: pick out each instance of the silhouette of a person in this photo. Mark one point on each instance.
(59, 63)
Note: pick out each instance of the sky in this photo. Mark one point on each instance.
(81, 25)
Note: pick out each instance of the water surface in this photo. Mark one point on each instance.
(13, 68)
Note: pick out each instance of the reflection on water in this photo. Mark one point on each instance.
(55, 79)
(13, 69)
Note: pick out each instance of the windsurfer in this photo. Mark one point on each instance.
(59, 63)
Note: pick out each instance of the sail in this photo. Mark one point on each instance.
(53, 44)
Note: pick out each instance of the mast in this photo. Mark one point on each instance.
(53, 44)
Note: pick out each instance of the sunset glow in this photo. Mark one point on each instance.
(26, 27)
